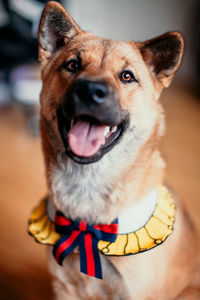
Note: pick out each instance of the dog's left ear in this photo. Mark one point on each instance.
(55, 29)
(163, 55)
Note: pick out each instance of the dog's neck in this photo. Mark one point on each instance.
(94, 192)
(130, 220)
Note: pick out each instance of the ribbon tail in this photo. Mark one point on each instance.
(66, 245)
(90, 262)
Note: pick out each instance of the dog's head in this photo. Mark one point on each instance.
(96, 89)
(99, 102)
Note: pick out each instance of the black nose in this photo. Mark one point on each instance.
(91, 91)
(97, 99)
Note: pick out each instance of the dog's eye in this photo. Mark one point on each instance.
(127, 76)
(72, 66)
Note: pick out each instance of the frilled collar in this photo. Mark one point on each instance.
(142, 227)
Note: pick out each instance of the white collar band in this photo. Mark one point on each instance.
(136, 216)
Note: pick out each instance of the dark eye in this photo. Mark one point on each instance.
(72, 66)
(127, 76)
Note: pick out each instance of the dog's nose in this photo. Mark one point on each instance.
(97, 99)
(91, 91)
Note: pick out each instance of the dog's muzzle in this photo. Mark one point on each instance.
(90, 120)
(96, 99)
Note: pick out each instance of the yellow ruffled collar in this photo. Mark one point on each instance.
(154, 232)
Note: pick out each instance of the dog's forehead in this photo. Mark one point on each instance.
(106, 50)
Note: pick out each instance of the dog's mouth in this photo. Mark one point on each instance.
(86, 139)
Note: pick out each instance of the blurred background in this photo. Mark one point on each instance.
(23, 265)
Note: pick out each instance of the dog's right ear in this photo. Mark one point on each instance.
(56, 28)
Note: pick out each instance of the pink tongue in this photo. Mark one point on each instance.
(85, 138)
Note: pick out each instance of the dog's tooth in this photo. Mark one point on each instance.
(72, 122)
(107, 129)
(113, 129)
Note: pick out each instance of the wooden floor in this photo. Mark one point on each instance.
(23, 266)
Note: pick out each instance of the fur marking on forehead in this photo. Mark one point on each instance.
(90, 45)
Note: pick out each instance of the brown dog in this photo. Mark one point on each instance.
(101, 124)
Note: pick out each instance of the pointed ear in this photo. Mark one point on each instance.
(56, 28)
(163, 55)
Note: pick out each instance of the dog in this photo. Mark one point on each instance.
(107, 208)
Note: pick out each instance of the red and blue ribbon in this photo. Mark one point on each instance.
(86, 237)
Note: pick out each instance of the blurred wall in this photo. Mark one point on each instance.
(138, 20)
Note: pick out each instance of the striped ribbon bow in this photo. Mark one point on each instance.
(86, 237)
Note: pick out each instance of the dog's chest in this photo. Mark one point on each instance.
(80, 286)
(141, 279)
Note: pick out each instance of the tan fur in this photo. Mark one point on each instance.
(121, 177)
